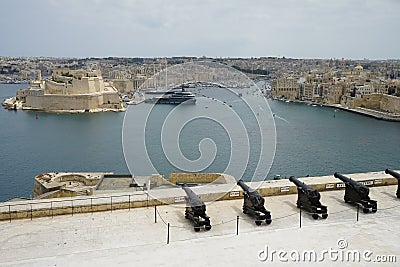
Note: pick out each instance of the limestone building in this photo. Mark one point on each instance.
(71, 91)
(286, 87)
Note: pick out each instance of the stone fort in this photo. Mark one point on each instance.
(71, 90)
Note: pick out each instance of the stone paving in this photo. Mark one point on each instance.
(132, 237)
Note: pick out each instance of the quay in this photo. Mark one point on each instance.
(379, 115)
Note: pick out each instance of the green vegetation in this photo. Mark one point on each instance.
(68, 75)
(391, 90)
(256, 71)
(57, 81)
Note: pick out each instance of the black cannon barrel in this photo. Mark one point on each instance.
(356, 185)
(306, 189)
(298, 182)
(244, 186)
(193, 199)
(393, 173)
(344, 178)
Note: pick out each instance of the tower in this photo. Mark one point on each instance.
(343, 64)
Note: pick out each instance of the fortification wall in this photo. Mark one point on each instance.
(390, 103)
(64, 102)
(369, 101)
(52, 87)
(123, 85)
(110, 99)
(193, 177)
(375, 101)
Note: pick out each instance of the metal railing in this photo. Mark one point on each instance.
(72, 205)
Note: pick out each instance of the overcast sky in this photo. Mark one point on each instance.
(219, 28)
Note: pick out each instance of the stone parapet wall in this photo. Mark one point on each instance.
(123, 85)
(64, 184)
(193, 177)
(64, 102)
(374, 101)
(108, 202)
(390, 103)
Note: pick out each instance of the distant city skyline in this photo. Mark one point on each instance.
(154, 28)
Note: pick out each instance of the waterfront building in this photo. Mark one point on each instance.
(334, 91)
(351, 86)
(307, 91)
(363, 89)
(286, 87)
(69, 91)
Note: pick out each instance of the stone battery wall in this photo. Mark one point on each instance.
(374, 101)
(49, 185)
(64, 102)
(193, 177)
(40, 208)
(123, 85)
(390, 103)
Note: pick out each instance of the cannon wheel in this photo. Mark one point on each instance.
(324, 215)
(208, 227)
(365, 210)
(258, 223)
(196, 228)
(268, 221)
(315, 216)
(186, 213)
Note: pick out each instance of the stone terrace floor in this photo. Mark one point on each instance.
(132, 237)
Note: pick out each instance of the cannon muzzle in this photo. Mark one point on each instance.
(312, 195)
(354, 184)
(192, 199)
(296, 181)
(393, 173)
(342, 177)
(244, 186)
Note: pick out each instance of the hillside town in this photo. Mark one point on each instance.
(372, 84)
(376, 87)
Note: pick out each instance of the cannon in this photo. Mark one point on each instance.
(196, 210)
(254, 204)
(357, 194)
(397, 176)
(308, 199)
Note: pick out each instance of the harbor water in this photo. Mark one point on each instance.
(311, 140)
